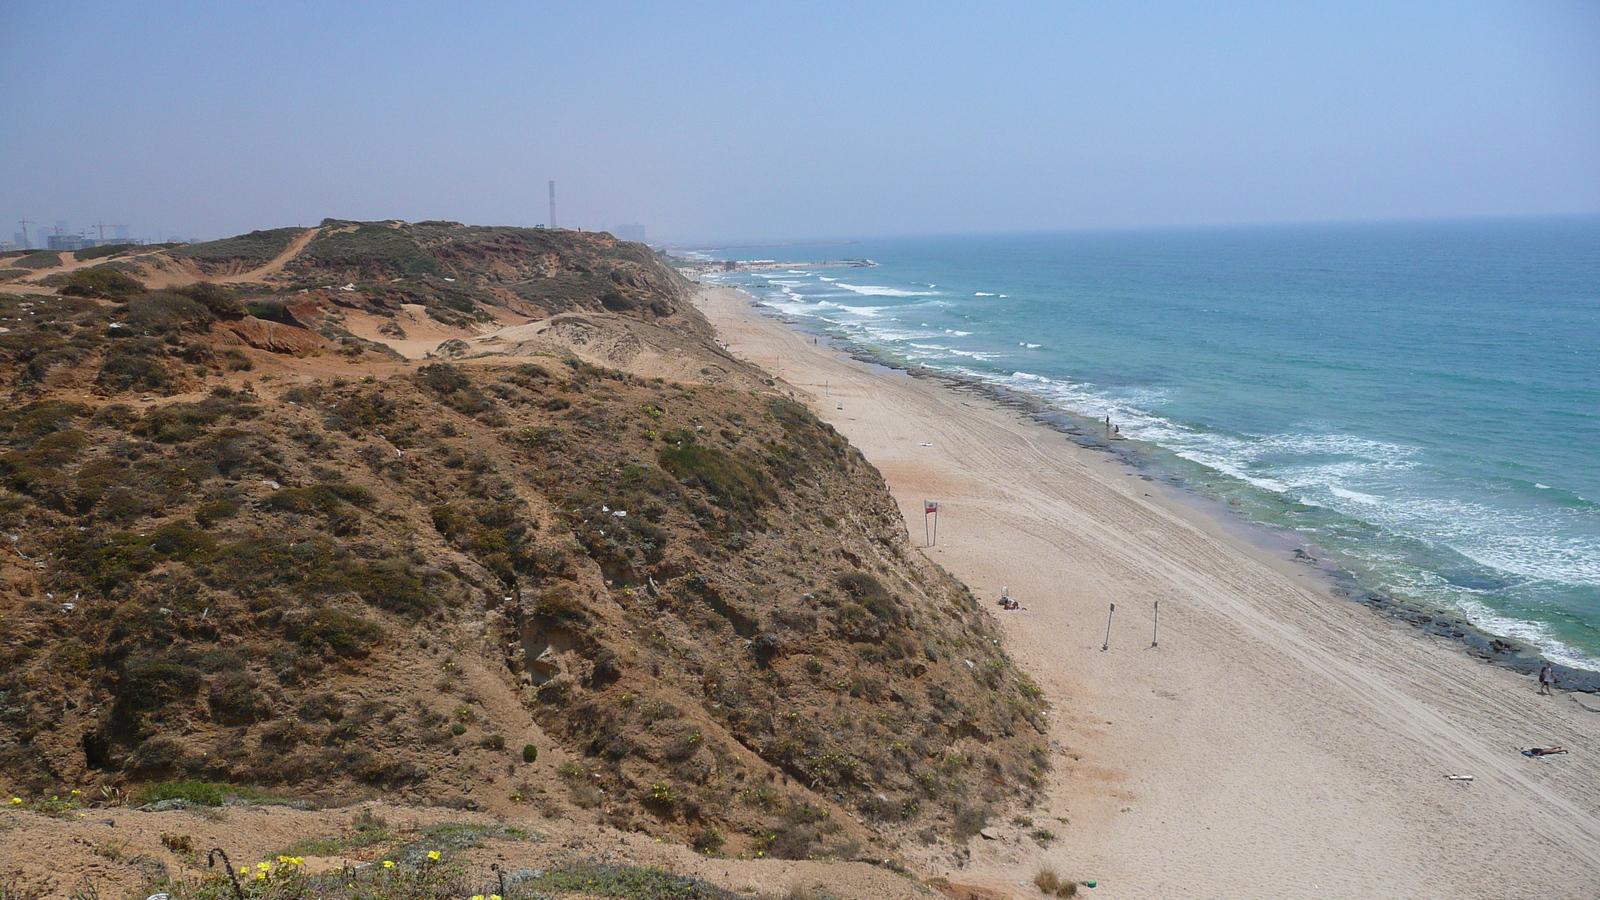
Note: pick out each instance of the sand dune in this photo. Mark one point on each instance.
(1279, 742)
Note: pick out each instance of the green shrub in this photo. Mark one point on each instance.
(200, 793)
(269, 310)
(102, 282)
(320, 498)
(390, 583)
(210, 513)
(166, 312)
(340, 632)
(150, 681)
(134, 366)
(220, 301)
(39, 259)
(454, 387)
(235, 699)
(530, 753)
(182, 422)
(616, 301)
(40, 418)
(29, 470)
(734, 485)
(868, 591)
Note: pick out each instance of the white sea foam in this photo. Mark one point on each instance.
(874, 290)
(982, 294)
(1357, 496)
(826, 278)
(1029, 346)
(1401, 497)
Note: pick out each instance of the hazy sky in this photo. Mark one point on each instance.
(821, 119)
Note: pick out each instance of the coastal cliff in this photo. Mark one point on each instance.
(580, 564)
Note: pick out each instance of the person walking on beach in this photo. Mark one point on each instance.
(1547, 677)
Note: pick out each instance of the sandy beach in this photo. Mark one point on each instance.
(1280, 741)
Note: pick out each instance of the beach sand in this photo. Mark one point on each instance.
(1281, 741)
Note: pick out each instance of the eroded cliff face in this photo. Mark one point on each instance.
(238, 550)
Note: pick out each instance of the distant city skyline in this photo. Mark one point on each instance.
(722, 122)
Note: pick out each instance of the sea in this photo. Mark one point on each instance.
(1419, 402)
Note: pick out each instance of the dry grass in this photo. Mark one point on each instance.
(1049, 883)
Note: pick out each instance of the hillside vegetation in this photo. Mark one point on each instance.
(233, 551)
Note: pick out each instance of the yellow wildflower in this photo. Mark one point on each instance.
(494, 897)
(433, 855)
(477, 897)
(16, 801)
(388, 864)
(265, 867)
(261, 876)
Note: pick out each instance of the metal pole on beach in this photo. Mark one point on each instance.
(1107, 645)
(1155, 629)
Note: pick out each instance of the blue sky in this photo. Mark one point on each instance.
(740, 120)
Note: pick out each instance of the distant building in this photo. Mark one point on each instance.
(68, 242)
(6, 246)
(21, 240)
(634, 232)
(123, 233)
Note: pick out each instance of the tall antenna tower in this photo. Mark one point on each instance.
(552, 204)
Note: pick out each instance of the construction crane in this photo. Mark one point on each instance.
(25, 223)
(103, 226)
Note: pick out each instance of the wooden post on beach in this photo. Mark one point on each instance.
(1155, 629)
(1107, 645)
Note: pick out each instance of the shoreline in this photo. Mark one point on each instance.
(1280, 741)
(1475, 641)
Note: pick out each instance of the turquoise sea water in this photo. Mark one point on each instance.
(1422, 401)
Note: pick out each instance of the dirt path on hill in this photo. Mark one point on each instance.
(257, 276)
